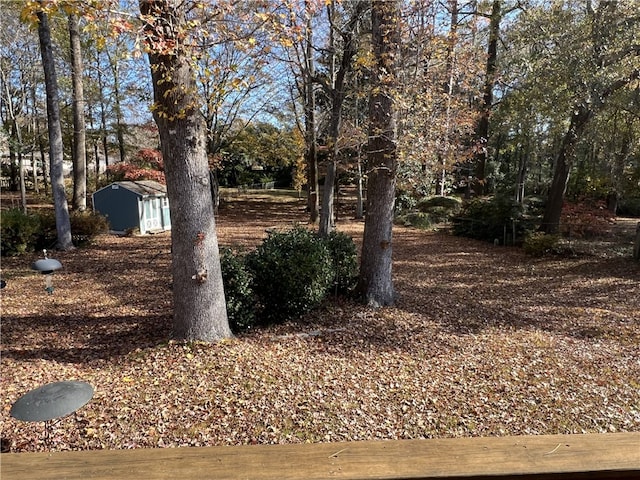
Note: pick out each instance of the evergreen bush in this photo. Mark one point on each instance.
(292, 273)
(85, 226)
(446, 204)
(539, 244)
(238, 293)
(405, 200)
(18, 232)
(415, 219)
(487, 219)
(344, 254)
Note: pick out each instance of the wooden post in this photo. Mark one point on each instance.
(636, 244)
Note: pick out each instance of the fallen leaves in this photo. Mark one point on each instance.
(483, 341)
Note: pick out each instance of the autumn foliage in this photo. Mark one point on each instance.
(586, 219)
(147, 164)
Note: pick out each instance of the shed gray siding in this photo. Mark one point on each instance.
(119, 205)
(122, 203)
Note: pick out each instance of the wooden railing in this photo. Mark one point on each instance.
(590, 456)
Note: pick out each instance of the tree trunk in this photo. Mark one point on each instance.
(15, 151)
(118, 112)
(46, 177)
(311, 153)
(23, 186)
(482, 128)
(79, 200)
(337, 94)
(63, 224)
(376, 282)
(103, 117)
(359, 189)
(562, 170)
(327, 215)
(198, 295)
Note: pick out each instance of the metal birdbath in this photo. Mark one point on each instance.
(51, 401)
(47, 266)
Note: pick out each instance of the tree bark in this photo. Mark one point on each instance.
(482, 128)
(337, 94)
(103, 117)
(198, 295)
(562, 169)
(79, 201)
(63, 224)
(311, 153)
(376, 282)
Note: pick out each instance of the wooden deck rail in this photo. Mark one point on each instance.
(590, 456)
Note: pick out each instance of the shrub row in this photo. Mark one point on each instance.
(427, 211)
(488, 218)
(26, 232)
(289, 274)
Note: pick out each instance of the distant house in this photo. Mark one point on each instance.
(128, 205)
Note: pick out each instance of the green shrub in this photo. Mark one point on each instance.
(18, 232)
(48, 235)
(85, 226)
(238, 293)
(446, 204)
(344, 253)
(415, 219)
(487, 219)
(405, 199)
(292, 273)
(539, 244)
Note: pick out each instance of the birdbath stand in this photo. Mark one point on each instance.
(51, 401)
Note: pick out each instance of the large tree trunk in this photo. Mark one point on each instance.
(562, 169)
(79, 200)
(198, 295)
(482, 128)
(376, 282)
(63, 224)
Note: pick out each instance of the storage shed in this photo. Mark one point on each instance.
(141, 204)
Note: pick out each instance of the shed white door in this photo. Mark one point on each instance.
(152, 214)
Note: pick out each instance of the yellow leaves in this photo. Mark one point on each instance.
(364, 60)
(101, 43)
(127, 379)
(29, 12)
(262, 16)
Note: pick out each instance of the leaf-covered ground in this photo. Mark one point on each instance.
(483, 341)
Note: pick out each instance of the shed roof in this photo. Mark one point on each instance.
(143, 188)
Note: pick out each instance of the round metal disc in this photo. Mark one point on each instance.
(46, 265)
(50, 401)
